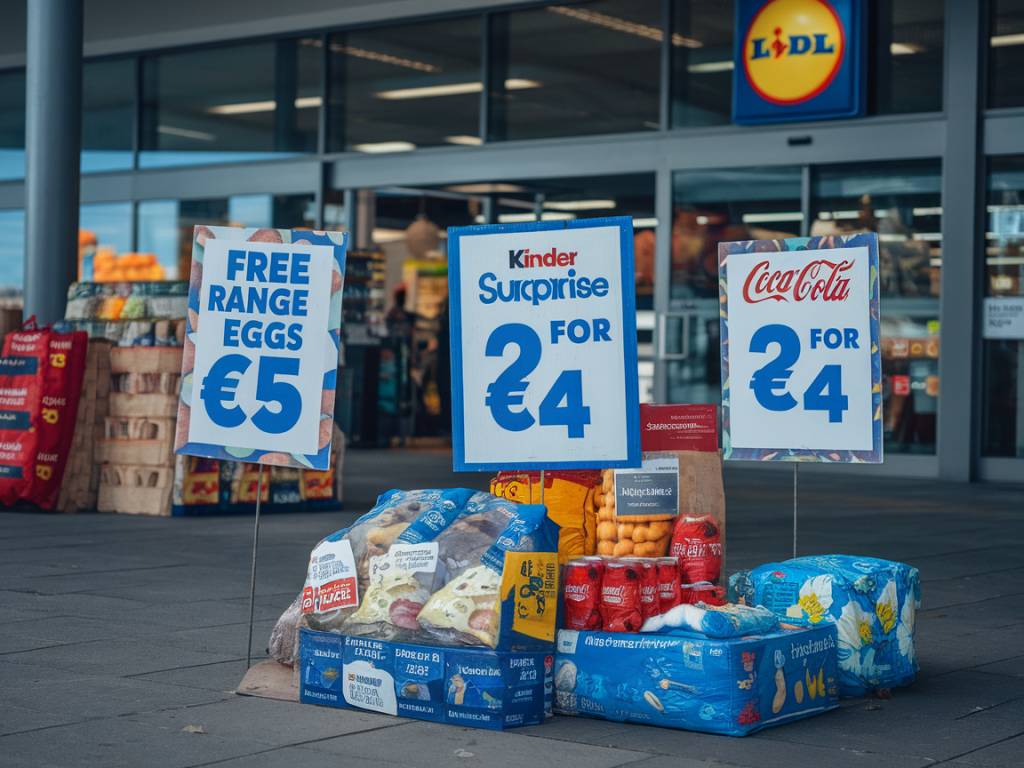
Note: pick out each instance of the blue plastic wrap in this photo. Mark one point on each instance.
(872, 602)
(728, 686)
(730, 620)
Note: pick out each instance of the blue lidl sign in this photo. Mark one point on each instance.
(798, 60)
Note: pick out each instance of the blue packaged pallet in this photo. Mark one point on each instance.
(476, 688)
(872, 602)
(731, 686)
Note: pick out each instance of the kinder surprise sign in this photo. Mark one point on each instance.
(543, 335)
(801, 370)
(798, 60)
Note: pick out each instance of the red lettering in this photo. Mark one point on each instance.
(821, 279)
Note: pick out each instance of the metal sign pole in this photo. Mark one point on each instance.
(796, 468)
(542, 486)
(252, 578)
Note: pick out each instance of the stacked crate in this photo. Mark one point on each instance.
(80, 486)
(137, 449)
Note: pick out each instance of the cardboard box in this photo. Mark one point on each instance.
(695, 683)
(459, 686)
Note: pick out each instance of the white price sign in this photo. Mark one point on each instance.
(801, 367)
(544, 360)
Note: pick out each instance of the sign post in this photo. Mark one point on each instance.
(801, 367)
(260, 363)
(543, 336)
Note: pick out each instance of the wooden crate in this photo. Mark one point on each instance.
(136, 476)
(143, 405)
(128, 500)
(145, 360)
(139, 428)
(150, 452)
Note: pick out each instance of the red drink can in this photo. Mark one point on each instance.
(648, 586)
(668, 583)
(582, 593)
(620, 597)
(697, 543)
(705, 592)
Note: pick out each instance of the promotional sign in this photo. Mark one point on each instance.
(543, 338)
(262, 341)
(798, 60)
(1003, 317)
(801, 368)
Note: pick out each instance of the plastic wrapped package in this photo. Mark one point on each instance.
(872, 602)
(730, 620)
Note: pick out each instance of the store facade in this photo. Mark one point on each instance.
(504, 112)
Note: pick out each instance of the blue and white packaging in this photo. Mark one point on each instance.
(731, 686)
(872, 602)
(475, 688)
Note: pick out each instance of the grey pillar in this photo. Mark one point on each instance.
(53, 135)
(962, 191)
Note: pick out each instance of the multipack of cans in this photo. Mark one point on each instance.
(618, 594)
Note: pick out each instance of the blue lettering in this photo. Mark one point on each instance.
(256, 270)
(821, 44)
(799, 45)
(231, 332)
(300, 268)
(488, 295)
(235, 260)
(217, 294)
(760, 50)
(278, 267)
(294, 337)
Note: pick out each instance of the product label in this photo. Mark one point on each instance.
(1003, 317)
(404, 558)
(331, 578)
(530, 581)
(367, 687)
(678, 428)
(651, 490)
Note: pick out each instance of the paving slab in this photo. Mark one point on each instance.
(221, 676)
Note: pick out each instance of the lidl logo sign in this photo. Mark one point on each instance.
(798, 60)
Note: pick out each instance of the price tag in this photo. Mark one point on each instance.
(800, 357)
(263, 336)
(544, 371)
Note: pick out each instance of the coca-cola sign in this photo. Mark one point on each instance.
(818, 280)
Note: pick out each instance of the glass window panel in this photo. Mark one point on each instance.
(398, 88)
(1006, 54)
(905, 49)
(111, 223)
(235, 104)
(165, 226)
(902, 203)
(568, 70)
(108, 98)
(711, 207)
(1003, 394)
(12, 125)
(702, 62)
(12, 251)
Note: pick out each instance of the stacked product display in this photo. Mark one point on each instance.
(81, 485)
(441, 604)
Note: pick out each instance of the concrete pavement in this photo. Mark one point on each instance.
(122, 639)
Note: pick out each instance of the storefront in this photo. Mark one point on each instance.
(504, 112)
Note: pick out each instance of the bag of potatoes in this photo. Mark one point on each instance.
(639, 535)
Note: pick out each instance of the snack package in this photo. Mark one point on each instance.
(467, 610)
(674, 504)
(23, 371)
(446, 566)
(62, 387)
(570, 499)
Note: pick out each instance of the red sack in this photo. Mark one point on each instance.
(22, 372)
(697, 543)
(62, 387)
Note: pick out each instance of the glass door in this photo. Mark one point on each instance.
(708, 207)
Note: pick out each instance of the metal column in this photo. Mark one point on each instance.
(959, 377)
(53, 134)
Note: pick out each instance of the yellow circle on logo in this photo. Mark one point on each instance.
(793, 50)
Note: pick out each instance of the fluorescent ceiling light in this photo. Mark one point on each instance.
(384, 58)
(760, 218)
(384, 235)
(904, 49)
(1000, 41)
(622, 25)
(707, 67)
(464, 140)
(1004, 261)
(579, 205)
(384, 146)
(451, 89)
(252, 107)
(934, 211)
(644, 223)
(485, 189)
(185, 133)
(512, 218)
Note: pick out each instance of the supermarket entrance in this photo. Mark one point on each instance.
(397, 356)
